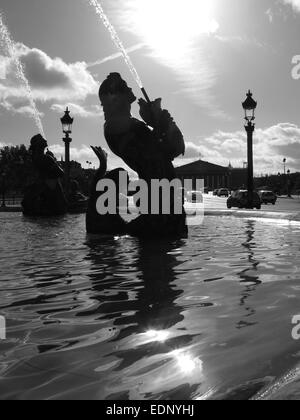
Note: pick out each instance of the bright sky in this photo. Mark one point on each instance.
(200, 56)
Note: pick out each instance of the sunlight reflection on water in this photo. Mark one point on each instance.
(118, 318)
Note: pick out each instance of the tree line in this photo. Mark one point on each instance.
(281, 184)
(17, 172)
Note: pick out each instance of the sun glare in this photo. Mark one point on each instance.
(169, 26)
(158, 336)
(187, 364)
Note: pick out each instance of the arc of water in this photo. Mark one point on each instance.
(11, 51)
(117, 41)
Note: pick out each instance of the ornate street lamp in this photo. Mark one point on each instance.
(249, 107)
(284, 165)
(67, 123)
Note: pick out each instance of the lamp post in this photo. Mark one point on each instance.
(3, 176)
(67, 123)
(284, 166)
(288, 183)
(249, 107)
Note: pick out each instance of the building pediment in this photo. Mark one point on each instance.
(203, 168)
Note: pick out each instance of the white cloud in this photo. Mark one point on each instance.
(192, 151)
(271, 145)
(85, 155)
(80, 154)
(294, 3)
(93, 111)
(50, 79)
(53, 79)
(18, 107)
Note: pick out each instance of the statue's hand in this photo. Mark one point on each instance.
(151, 113)
(100, 153)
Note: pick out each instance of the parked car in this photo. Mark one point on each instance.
(223, 192)
(268, 197)
(240, 199)
(194, 197)
(216, 192)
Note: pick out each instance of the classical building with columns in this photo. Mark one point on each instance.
(214, 176)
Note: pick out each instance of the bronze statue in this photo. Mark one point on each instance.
(148, 147)
(45, 197)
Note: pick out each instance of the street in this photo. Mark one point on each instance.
(283, 205)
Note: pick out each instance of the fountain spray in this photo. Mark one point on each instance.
(117, 41)
(10, 47)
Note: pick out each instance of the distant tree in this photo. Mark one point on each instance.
(279, 183)
(16, 166)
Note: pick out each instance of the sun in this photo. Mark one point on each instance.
(169, 26)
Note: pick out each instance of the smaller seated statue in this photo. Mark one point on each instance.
(77, 201)
(109, 224)
(45, 197)
(118, 223)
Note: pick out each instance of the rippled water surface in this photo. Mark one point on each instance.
(119, 318)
